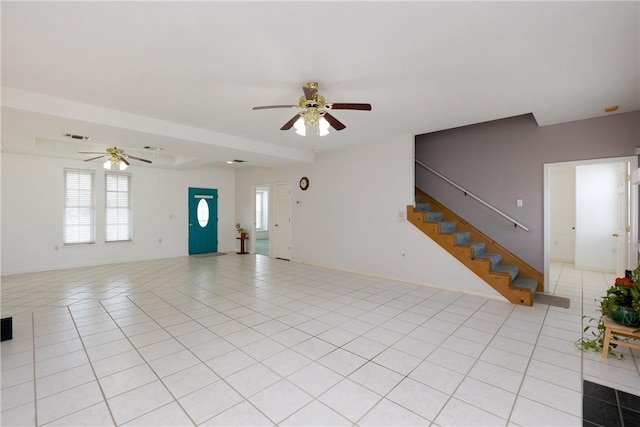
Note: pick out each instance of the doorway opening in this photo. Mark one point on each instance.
(591, 215)
(261, 219)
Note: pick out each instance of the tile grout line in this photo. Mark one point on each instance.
(524, 374)
(406, 376)
(466, 375)
(84, 347)
(582, 353)
(33, 355)
(146, 363)
(196, 356)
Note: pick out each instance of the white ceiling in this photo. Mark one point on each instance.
(184, 75)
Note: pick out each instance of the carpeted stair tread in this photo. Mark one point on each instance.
(495, 258)
(447, 226)
(463, 237)
(434, 216)
(525, 283)
(478, 247)
(511, 269)
(423, 206)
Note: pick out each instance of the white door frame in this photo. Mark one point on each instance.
(632, 250)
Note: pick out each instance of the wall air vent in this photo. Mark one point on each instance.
(77, 137)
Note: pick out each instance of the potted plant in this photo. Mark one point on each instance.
(242, 231)
(621, 303)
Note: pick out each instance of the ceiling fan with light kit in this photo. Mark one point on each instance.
(315, 112)
(117, 159)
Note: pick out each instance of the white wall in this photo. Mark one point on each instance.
(349, 217)
(33, 204)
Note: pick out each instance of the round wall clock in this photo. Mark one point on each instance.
(304, 183)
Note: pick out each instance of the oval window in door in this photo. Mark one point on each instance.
(203, 213)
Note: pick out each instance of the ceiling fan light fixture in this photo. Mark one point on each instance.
(300, 126)
(323, 127)
(115, 164)
(314, 112)
(312, 118)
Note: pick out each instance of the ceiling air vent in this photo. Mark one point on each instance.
(78, 137)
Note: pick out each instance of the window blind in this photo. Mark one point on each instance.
(79, 217)
(118, 207)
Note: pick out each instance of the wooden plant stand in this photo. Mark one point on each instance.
(242, 239)
(611, 327)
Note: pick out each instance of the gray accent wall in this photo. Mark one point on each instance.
(503, 160)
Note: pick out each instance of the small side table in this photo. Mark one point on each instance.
(242, 239)
(611, 327)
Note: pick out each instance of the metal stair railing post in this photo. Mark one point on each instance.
(467, 193)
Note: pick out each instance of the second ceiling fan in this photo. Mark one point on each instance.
(115, 157)
(314, 111)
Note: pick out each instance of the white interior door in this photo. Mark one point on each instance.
(282, 221)
(562, 214)
(597, 217)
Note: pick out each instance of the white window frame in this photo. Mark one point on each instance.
(118, 211)
(79, 225)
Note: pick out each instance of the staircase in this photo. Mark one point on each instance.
(512, 277)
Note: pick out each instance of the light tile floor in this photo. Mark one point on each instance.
(249, 340)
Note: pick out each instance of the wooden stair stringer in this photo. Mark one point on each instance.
(508, 257)
(501, 282)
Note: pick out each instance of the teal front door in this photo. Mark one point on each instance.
(203, 220)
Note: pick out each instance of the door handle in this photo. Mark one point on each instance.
(190, 225)
(615, 235)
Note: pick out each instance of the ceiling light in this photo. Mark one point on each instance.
(611, 108)
(115, 164)
(300, 127)
(312, 118)
(323, 127)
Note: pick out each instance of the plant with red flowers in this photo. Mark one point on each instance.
(625, 292)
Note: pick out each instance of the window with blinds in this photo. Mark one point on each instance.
(79, 215)
(118, 207)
